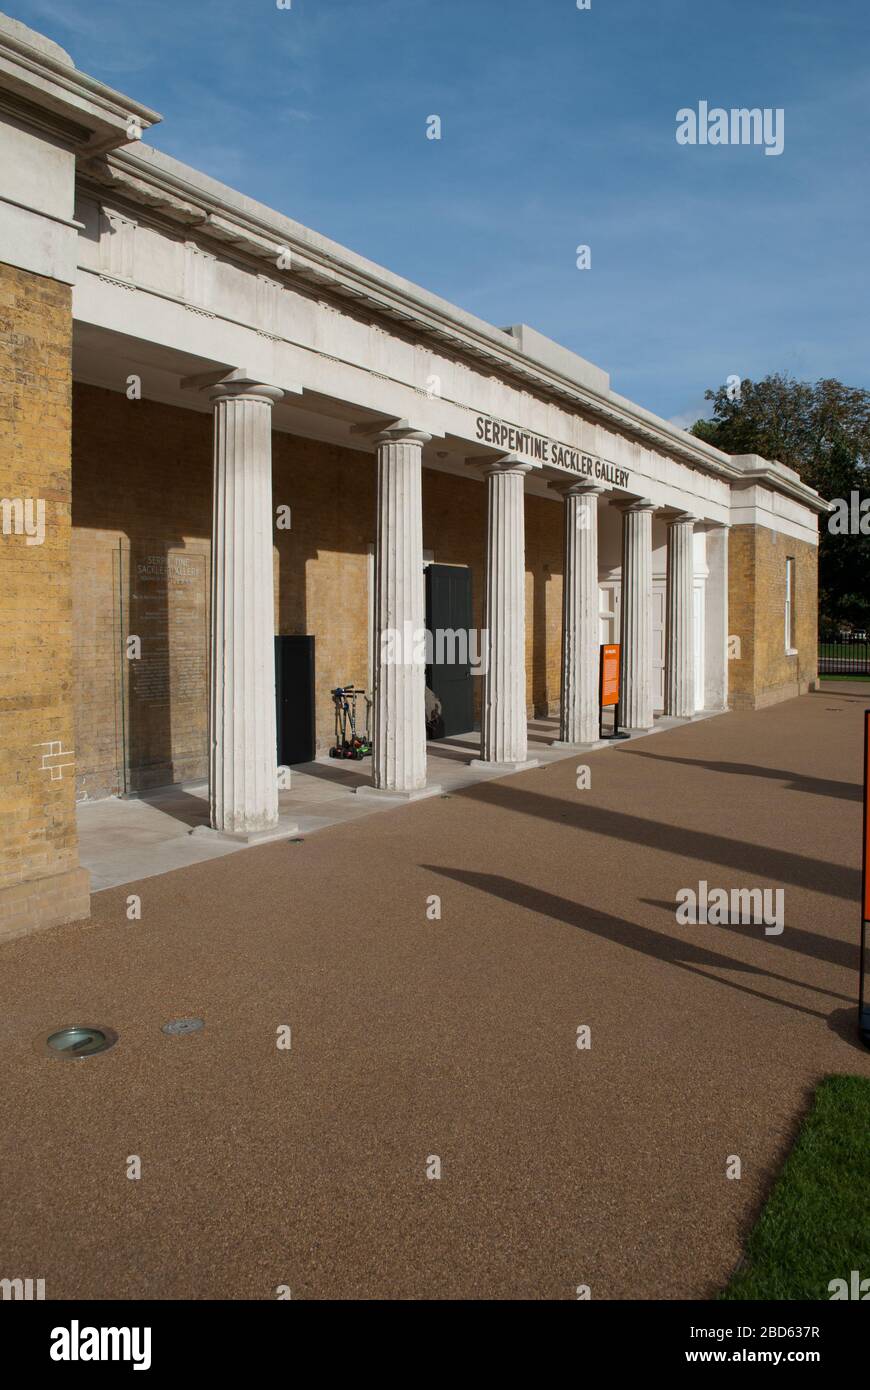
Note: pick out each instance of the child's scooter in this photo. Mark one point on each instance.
(348, 743)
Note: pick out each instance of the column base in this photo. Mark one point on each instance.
(486, 765)
(394, 794)
(245, 837)
(586, 745)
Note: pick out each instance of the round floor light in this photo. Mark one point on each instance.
(180, 1026)
(80, 1041)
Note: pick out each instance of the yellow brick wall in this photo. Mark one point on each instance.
(41, 882)
(142, 487)
(321, 574)
(764, 672)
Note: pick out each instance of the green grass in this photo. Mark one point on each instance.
(825, 677)
(815, 1226)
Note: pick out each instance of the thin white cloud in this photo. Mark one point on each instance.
(685, 419)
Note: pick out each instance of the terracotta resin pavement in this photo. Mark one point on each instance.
(416, 1037)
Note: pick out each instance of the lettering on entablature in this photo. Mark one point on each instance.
(543, 450)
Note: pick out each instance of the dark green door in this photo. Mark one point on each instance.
(448, 620)
(294, 699)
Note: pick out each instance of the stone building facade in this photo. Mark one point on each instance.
(219, 427)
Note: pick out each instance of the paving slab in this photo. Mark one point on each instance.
(123, 839)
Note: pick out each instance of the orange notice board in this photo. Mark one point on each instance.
(610, 675)
(867, 815)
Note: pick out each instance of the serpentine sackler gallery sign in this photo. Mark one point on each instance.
(543, 450)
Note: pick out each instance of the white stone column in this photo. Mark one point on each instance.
(636, 699)
(503, 738)
(243, 783)
(716, 634)
(399, 742)
(579, 720)
(679, 618)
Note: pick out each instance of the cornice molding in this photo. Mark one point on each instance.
(41, 83)
(200, 204)
(769, 475)
(264, 237)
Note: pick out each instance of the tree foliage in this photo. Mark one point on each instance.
(823, 432)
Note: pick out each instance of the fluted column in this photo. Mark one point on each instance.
(716, 619)
(636, 700)
(679, 619)
(503, 728)
(399, 747)
(579, 720)
(243, 784)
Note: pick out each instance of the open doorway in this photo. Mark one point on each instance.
(448, 675)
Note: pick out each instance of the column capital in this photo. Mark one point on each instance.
(681, 519)
(246, 389)
(637, 504)
(577, 487)
(402, 432)
(511, 463)
(236, 381)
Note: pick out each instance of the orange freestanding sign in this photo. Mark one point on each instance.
(608, 687)
(609, 675)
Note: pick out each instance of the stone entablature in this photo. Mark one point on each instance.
(346, 356)
(294, 306)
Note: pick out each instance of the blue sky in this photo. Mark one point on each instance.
(558, 129)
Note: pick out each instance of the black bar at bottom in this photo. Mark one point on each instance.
(203, 1336)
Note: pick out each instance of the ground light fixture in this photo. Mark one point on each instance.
(177, 1027)
(78, 1041)
(863, 1008)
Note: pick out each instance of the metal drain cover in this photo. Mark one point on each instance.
(80, 1041)
(183, 1025)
